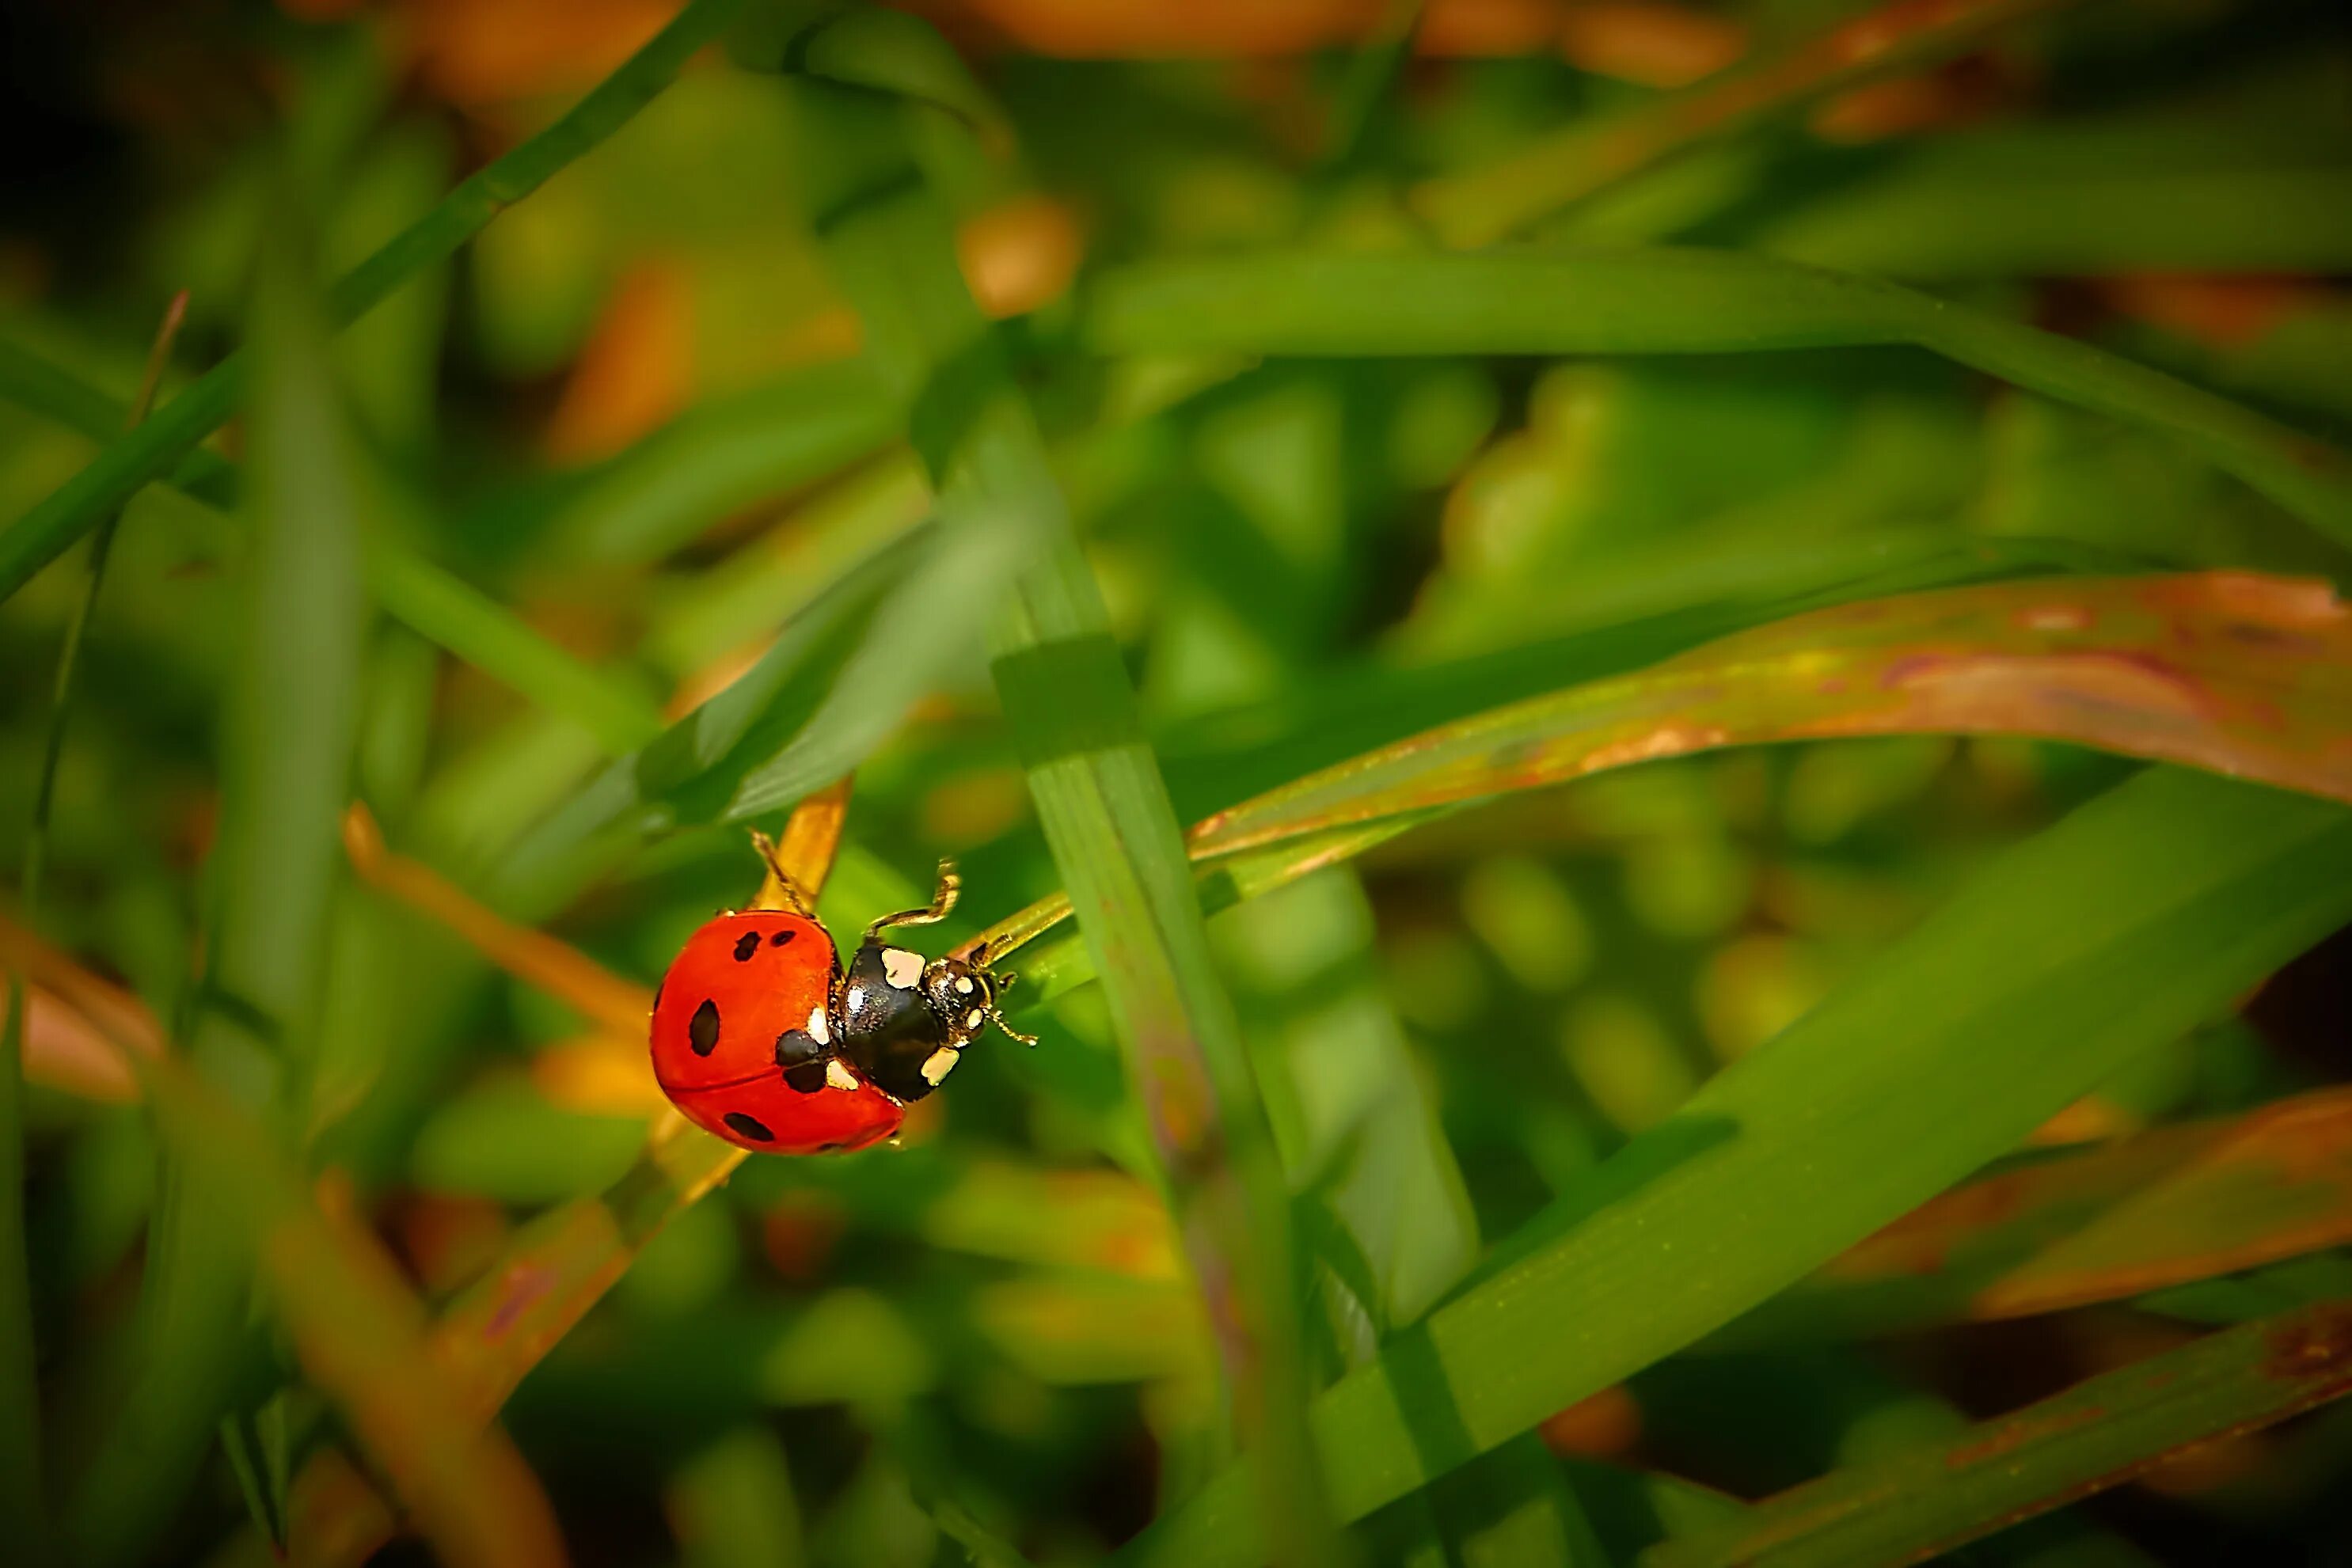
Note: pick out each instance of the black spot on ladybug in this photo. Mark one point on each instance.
(751, 1127)
(703, 1029)
(796, 1046)
(746, 945)
(780, 938)
(805, 1079)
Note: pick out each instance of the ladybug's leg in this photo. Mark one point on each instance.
(943, 899)
(997, 986)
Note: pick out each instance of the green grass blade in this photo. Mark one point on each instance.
(116, 475)
(837, 679)
(2096, 1435)
(718, 458)
(1096, 783)
(2264, 693)
(287, 742)
(436, 604)
(2133, 919)
(444, 609)
(1626, 614)
(1670, 301)
(1580, 160)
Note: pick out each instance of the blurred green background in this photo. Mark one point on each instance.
(564, 484)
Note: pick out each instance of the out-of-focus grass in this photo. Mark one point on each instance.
(1074, 447)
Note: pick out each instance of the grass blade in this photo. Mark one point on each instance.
(2266, 694)
(2265, 691)
(116, 475)
(2130, 921)
(436, 604)
(1671, 301)
(445, 610)
(714, 460)
(287, 741)
(1096, 783)
(1580, 160)
(2166, 1207)
(2096, 1435)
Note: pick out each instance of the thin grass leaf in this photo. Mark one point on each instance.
(359, 1336)
(1582, 159)
(287, 744)
(1670, 301)
(154, 449)
(2096, 1435)
(2132, 920)
(29, 379)
(839, 677)
(561, 1264)
(2166, 1207)
(436, 604)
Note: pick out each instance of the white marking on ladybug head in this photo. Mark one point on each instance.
(938, 1065)
(818, 1032)
(963, 985)
(902, 969)
(974, 1019)
(839, 1076)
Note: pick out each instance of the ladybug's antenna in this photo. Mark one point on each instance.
(778, 891)
(944, 901)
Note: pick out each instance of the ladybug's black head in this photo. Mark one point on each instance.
(964, 996)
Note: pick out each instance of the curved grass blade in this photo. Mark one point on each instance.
(152, 450)
(1582, 159)
(2264, 691)
(1627, 613)
(2096, 1435)
(1673, 301)
(288, 735)
(359, 1336)
(2134, 918)
(2167, 1207)
(2239, 673)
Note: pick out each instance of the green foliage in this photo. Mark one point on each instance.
(1581, 711)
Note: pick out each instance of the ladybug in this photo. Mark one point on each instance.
(761, 1039)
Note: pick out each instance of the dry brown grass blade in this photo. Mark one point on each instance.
(557, 968)
(561, 1264)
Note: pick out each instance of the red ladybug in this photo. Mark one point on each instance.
(760, 1038)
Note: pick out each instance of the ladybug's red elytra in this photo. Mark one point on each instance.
(761, 1039)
